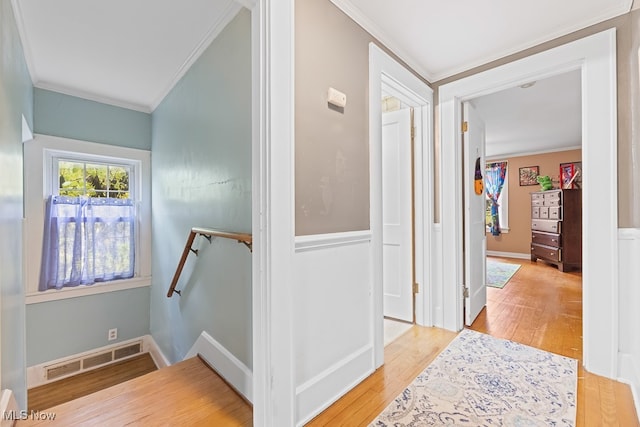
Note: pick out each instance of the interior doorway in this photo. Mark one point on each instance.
(594, 56)
(530, 130)
(389, 77)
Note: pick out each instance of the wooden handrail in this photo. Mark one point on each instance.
(208, 233)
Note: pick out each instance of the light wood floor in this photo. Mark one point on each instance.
(540, 307)
(188, 393)
(67, 389)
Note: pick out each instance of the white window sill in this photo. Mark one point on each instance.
(82, 291)
(503, 230)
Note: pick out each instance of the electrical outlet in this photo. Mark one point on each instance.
(113, 334)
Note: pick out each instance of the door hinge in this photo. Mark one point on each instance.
(413, 133)
(465, 291)
(416, 288)
(465, 126)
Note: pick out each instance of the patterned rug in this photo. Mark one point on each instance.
(499, 273)
(479, 380)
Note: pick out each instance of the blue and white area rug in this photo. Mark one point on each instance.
(479, 380)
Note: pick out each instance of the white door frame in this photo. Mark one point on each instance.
(272, 50)
(401, 83)
(595, 56)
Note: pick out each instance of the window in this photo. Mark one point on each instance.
(87, 218)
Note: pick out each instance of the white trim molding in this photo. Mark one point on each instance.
(629, 350)
(229, 367)
(331, 240)
(515, 255)
(385, 72)
(273, 220)
(595, 56)
(9, 409)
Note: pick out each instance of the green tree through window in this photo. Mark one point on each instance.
(93, 179)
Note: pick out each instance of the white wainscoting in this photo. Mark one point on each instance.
(333, 308)
(629, 303)
(436, 276)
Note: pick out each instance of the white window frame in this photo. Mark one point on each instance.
(503, 200)
(39, 155)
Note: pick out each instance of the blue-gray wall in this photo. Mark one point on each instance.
(71, 117)
(16, 101)
(61, 328)
(201, 176)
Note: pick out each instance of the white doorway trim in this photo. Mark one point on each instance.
(397, 80)
(595, 56)
(272, 214)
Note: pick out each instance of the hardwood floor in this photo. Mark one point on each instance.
(188, 393)
(64, 390)
(540, 307)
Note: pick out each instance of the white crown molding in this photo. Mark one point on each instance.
(361, 19)
(232, 9)
(621, 8)
(90, 96)
(26, 47)
(533, 152)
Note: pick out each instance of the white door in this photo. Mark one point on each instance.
(475, 251)
(396, 215)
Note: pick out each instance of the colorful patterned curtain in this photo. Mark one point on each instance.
(493, 181)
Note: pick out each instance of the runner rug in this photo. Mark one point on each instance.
(499, 273)
(479, 380)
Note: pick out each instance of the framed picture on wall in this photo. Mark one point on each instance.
(571, 175)
(528, 175)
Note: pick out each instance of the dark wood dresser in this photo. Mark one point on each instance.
(556, 228)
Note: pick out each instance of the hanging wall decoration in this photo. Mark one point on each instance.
(478, 181)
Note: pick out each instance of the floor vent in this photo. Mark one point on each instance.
(63, 370)
(90, 361)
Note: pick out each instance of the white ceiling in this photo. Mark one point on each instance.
(542, 118)
(441, 38)
(130, 53)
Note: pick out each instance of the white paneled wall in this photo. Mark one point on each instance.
(629, 310)
(333, 305)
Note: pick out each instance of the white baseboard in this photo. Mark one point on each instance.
(629, 370)
(150, 346)
(317, 394)
(226, 364)
(8, 408)
(509, 255)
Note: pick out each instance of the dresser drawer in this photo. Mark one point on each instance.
(547, 239)
(537, 202)
(555, 212)
(544, 212)
(553, 197)
(552, 202)
(548, 225)
(535, 212)
(546, 252)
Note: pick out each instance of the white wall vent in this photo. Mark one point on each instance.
(91, 361)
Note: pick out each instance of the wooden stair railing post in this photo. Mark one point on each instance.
(246, 239)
